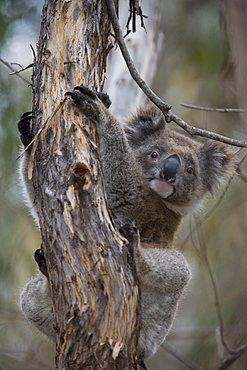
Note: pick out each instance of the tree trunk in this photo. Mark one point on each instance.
(94, 289)
(94, 293)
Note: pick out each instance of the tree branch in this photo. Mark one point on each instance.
(218, 110)
(231, 354)
(7, 64)
(129, 62)
(229, 360)
(164, 107)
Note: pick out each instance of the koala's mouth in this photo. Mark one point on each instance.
(164, 188)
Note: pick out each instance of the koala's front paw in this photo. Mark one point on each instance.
(40, 259)
(89, 101)
(24, 127)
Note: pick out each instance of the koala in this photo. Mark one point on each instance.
(153, 176)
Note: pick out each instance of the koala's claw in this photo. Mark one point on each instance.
(104, 98)
(24, 127)
(86, 94)
(86, 91)
(128, 230)
(40, 259)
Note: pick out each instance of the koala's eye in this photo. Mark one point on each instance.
(190, 170)
(154, 155)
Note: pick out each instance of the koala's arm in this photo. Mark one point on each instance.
(163, 275)
(115, 153)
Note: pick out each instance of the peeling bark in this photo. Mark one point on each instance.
(94, 292)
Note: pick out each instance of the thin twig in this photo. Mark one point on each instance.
(228, 360)
(219, 110)
(164, 107)
(232, 354)
(210, 271)
(179, 356)
(135, 9)
(33, 51)
(216, 292)
(218, 305)
(20, 70)
(13, 70)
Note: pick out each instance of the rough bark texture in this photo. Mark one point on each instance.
(95, 295)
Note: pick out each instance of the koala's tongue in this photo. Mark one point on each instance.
(161, 187)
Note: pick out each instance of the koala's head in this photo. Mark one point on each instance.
(179, 169)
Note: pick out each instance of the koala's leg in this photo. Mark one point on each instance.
(36, 305)
(36, 302)
(163, 276)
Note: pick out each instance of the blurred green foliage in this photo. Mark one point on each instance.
(193, 70)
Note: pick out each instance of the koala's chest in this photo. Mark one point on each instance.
(158, 232)
(153, 235)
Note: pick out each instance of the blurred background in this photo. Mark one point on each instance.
(195, 68)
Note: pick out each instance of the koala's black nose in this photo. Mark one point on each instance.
(170, 168)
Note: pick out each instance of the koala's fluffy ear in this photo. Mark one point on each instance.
(144, 124)
(218, 164)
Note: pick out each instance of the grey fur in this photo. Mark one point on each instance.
(136, 159)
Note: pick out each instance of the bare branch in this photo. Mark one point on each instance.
(135, 9)
(164, 107)
(20, 70)
(7, 64)
(229, 360)
(204, 133)
(231, 354)
(218, 110)
(216, 294)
